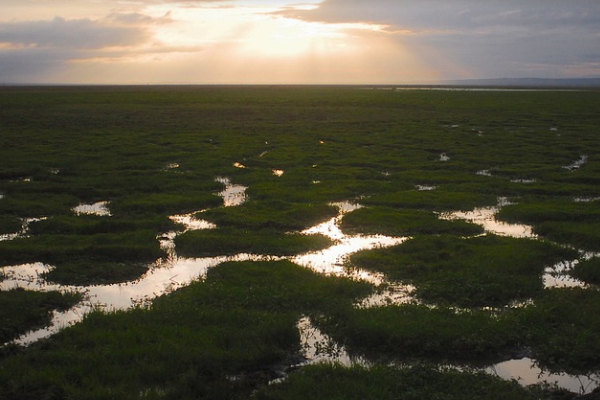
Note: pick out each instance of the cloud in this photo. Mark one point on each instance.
(488, 38)
(70, 34)
(456, 14)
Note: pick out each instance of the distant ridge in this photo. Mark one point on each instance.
(529, 82)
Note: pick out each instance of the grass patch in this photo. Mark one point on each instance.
(588, 271)
(131, 246)
(279, 215)
(239, 322)
(562, 329)
(435, 200)
(394, 222)
(415, 332)
(398, 383)
(83, 272)
(22, 311)
(574, 223)
(214, 242)
(476, 272)
(9, 224)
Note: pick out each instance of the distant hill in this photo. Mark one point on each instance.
(529, 82)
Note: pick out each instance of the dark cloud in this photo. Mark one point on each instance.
(487, 37)
(455, 14)
(70, 34)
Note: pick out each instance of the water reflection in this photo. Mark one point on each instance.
(23, 231)
(173, 272)
(317, 347)
(486, 217)
(233, 195)
(526, 372)
(577, 164)
(320, 348)
(332, 261)
(99, 208)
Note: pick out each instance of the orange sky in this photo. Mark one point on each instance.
(278, 41)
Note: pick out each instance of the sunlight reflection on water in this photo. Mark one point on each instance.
(173, 272)
(99, 208)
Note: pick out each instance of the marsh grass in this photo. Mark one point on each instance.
(561, 328)
(137, 245)
(477, 272)
(437, 200)
(588, 271)
(404, 222)
(278, 215)
(229, 241)
(9, 224)
(568, 222)
(240, 322)
(331, 381)
(82, 272)
(21, 310)
(63, 146)
(416, 332)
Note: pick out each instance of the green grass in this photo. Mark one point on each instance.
(63, 146)
(214, 242)
(476, 272)
(22, 311)
(588, 271)
(394, 222)
(562, 329)
(239, 322)
(416, 332)
(279, 215)
(559, 220)
(9, 224)
(335, 382)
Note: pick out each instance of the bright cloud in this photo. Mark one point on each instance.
(281, 41)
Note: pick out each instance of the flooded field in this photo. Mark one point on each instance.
(271, 252)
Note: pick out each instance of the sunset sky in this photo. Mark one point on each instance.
(282, 41)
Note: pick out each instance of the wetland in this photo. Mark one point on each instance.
(211, 242)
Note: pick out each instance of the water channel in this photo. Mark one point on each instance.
(173, 272)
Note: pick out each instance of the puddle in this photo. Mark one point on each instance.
(523, 181)
(557, 276)
(390, 294)
(173, 272)
(486, 217)
(526, 373)
(585, 199)
(233, 195)
(99, 208)
(192, 223)
(320, 348)
(332, 261)
(317, 347)
(577, 164)
(23, 231)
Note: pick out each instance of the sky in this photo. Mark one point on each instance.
(295, 42)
